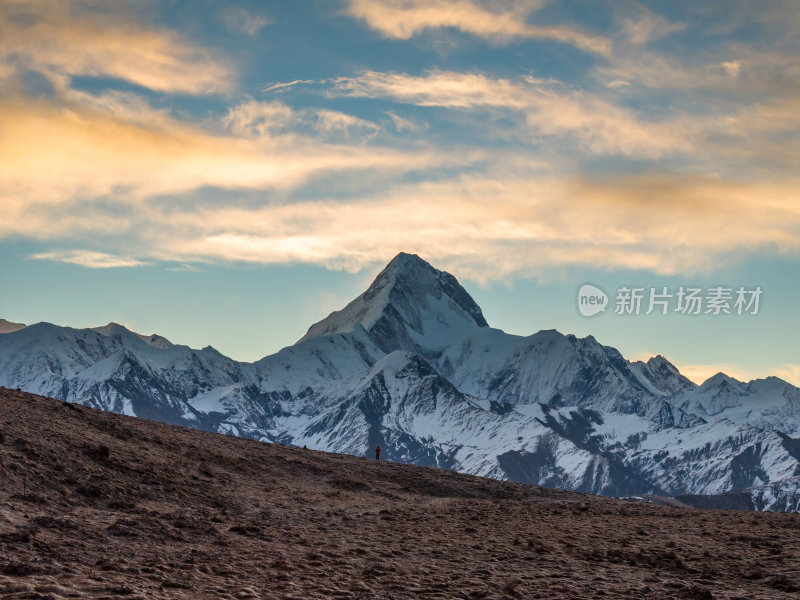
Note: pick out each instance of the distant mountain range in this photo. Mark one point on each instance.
(412, 365)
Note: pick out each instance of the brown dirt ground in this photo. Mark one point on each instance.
(95, 504)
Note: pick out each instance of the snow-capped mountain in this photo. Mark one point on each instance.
(411, 365)
(152, 340)
(769, 403)
(409, 306)
(114, 369)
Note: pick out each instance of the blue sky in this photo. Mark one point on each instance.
(228, 173)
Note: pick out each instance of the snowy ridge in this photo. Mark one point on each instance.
(411, 365)
(153, 339)
(661, 377)
(769, 403)
(409, 306)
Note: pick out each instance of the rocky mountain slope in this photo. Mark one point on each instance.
(99, 505)
(412, 365)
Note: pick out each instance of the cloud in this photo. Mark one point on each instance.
(144, 184)
(495, 21)
(402, 124)
(648, 26)
(112, 167)
(184, 268)
(285, 86)
(733, 72)
(732, 68)
(535, 225)
(548, 108)
(7, 71)
(114, 149)
(89, 259)
(240, 20)
(721, 41)
(264, 183)
(255, 119)
(260, 119)
(737, 50)
(330, 121)
(737, 114)
(73, 37)
(491, 227)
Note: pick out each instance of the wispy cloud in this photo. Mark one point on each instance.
(502, 20)
(547, 107)
(184, 267)
(401, 124)
(737, 71)
(748, 134)
(278, 120)
(331, 121)
(261, 119)
(72, 37)
(240, 20)
(89, 259)
(285, 86)
(647, 26)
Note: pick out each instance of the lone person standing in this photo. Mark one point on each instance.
(378, 453)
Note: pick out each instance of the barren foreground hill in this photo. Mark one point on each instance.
(95, 504)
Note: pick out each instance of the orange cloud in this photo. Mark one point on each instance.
(495, 228)
(497, 21)
(69, 37)
(77, 152)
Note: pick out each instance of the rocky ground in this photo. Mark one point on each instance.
(96, 504)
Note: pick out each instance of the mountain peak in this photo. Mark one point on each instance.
(406, 268)
(406, 259)
(409, 306)
(719, 379)
(108, 329)
(153, 339)
(10, 326)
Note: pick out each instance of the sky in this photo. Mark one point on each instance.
(228, 173)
